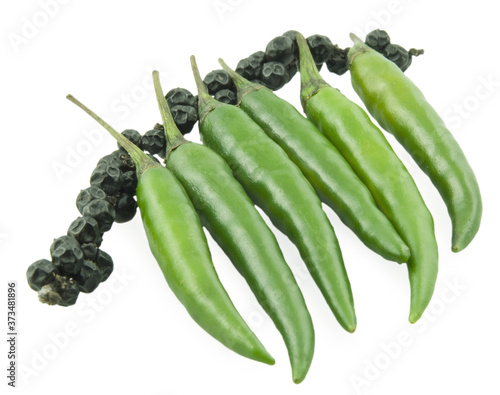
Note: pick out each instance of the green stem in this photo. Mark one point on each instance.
(355, 39)
(206, 103)
(243, 86)
(141, 160)
(310, 80)
(172, 134)
(359, 47)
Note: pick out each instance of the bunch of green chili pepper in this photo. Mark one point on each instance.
(277, 185)
(262, 151)
(179, 245)
(322, 164)
(372, 158)
(232, 220)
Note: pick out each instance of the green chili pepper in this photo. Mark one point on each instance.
(370, 155)
(401, 109)
(326, 169)
(235, 224)
(277, 185)
(179, 245)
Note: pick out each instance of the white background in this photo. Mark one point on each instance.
(131, 335)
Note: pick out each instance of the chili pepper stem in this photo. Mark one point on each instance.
(355, 39)
(206, 103)
(358, 48)
(172, 134)
(242, 84)
(311, 81)
(141, 160)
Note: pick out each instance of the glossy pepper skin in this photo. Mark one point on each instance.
(321, 163)
(369, 153)
(177, 241)
(179, 245)
(401, 109)
(276, 184)
(231, 218)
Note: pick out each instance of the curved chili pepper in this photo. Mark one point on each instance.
(277, 185)
(372, 158)
(401, 109)
(179, 245)
(236, 225)
(321, 163)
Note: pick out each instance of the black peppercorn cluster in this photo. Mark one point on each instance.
(221, 86)
(77, 263)
(279, 63)
(184, 108)
(380, 41)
